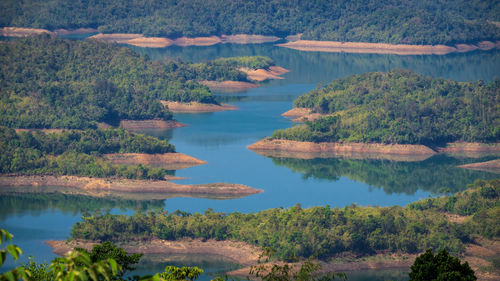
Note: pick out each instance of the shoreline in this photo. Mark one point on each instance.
(240, 252)
(261, 74)
(488, 166)
(196, 107)
(384, 48)
(139, 40)
(342, 148)
(476, 254)
(127, 185)
(167, 161)
(161, 42)
(346, 149)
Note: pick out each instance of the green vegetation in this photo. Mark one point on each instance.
(413, 22)
(77, 153)
(441, 267)
(317, 231)
(222, 69)
(438, 174)
(400, 107)
(47, 82)
(482, 203)
(108, 262)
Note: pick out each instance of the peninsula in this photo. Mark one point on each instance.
(397, 112)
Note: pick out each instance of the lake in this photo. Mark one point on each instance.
(221, 139)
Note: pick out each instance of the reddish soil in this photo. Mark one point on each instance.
(273, 72)
(382, 48)
(125, 185)
(488, 166)
(297, 146)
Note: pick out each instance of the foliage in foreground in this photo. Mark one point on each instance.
(320, 231)
(107, 262)
(400, 107)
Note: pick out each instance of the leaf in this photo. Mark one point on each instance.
(15, 251)
(3, 256)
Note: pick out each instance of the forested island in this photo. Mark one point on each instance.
(53, 83)
(396, 22)
(78, 159)
(451, 222)
(394, 112)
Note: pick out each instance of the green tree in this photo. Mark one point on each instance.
(107, 250)
(440, 267)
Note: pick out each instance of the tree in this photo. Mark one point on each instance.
(308, 271)
(440, 267)
(107, 250)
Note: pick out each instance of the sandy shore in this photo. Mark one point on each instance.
(240, 252)
(229, 86)
(125, 185)
(150, 124)
(161, 42)
(302, 114)
(196, 107)
(488, 166)
(470, 147)
(23, 31)
(397, 152)
(342, 148)
(259, 75)
(383, 48)
(168, 161)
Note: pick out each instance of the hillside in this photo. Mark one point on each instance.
(399, 107)
(52, 83)
(398, 22)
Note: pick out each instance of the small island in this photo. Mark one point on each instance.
(397, 112)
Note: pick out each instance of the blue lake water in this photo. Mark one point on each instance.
(221, 139)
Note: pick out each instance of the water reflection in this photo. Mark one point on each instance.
(19, 201)
(438, 174)
(213, 265)
(317, 67)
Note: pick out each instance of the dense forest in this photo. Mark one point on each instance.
(52, 83)
(438, 174)
(320, 231)
(412, 22)
(77, 153)
(400, 107)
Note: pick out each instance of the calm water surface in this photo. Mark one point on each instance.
(221, 139)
